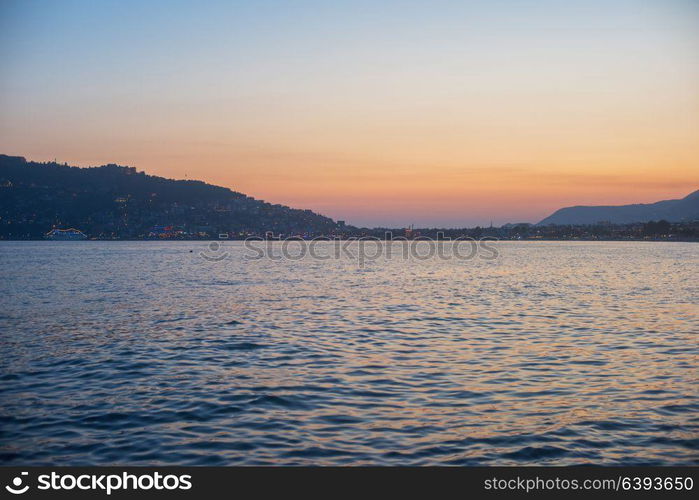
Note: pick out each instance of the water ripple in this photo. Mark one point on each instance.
(142, 353)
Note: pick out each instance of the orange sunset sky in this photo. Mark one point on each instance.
(377, 113)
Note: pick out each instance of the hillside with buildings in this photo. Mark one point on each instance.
(113, 201)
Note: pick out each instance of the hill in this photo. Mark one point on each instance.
(683, 210)
(113, 201)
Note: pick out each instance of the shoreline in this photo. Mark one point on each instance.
(330, 240)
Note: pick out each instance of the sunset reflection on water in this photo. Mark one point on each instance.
(555, 353)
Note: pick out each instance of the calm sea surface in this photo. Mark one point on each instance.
(146, 353)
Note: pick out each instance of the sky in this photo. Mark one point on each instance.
(379, 113)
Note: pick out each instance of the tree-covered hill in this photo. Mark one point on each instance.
(113, 201)
(682, 210)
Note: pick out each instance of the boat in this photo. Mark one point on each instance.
(71, 234)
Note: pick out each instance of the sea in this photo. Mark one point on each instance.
(194, 353)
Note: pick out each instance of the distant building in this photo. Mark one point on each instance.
(166, 232)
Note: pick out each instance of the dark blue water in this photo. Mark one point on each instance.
(145, 353)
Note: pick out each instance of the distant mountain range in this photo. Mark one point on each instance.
(685, 209)
(113, 201)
